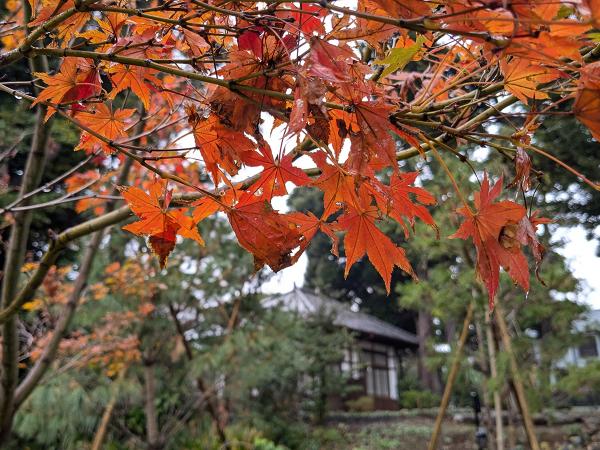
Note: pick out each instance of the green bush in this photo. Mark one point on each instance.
(265, 444)
(419, 399)
(238, 438)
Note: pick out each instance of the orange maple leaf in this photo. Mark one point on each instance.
(219, 145)
(594, 10)
(373, 144)
(493, 228)
(68, 28)
(521, 78)
(363, 236)
(587, 101)
(140, 80)
(308, 225)
(406, 9)
(396, 200)
(105, 121)
(269, 236)
(160, 224)
(76, 80)
(338, 187)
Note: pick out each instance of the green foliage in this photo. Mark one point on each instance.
(582, 383)
(238, 438)
(419, 399)
(390, 436)
(282, 371)
(571, 143)
(39, 426)
(397, 58)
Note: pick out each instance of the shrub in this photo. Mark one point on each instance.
(419, 399)
(361, 404)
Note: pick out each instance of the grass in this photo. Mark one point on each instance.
(412, 429)
(411, 433)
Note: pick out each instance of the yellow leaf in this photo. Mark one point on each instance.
(33, 305)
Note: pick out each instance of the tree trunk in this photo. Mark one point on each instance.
(42, 365)
(152, 430)
(512, 413)
(213, 409)
(450, 327)
(49, 353)
(428, 379)
(15, 255)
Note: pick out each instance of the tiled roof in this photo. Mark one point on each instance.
(305, 302)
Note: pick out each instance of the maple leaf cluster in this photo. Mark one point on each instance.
(232, 104)
(499, 230)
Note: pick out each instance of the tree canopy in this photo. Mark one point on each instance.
(381, 76)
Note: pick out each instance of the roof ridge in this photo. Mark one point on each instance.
(320, 301)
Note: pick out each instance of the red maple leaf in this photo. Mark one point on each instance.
(330, 62)
(274, 175)
(308, 225)
(526, 235)
(400, 200)
(308, 18)
(493, 228)
(76, 80)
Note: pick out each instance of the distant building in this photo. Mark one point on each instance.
(589, 348)
(372, 364)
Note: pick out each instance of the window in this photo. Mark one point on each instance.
(377, 372)
(350, 364)
(588, 348)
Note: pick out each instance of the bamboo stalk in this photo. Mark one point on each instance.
(451, 379)
(483, 361)
(517, 380)
(491, 343)
(110, 406)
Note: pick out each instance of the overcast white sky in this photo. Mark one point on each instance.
(581, 255)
